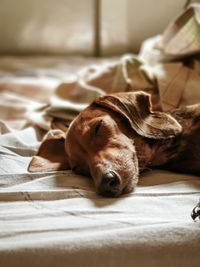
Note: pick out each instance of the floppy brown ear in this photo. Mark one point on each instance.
(51, 156)
(137, 108)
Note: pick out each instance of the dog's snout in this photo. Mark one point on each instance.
(110, 184)
(110, 180)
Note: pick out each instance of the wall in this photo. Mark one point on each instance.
(47, 26)
(126, 23)
(88, 27)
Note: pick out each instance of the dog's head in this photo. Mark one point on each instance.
(100, 141)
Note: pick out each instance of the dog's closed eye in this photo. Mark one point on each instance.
(76, 169)
(97, 127)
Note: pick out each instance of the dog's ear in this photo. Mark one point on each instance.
(51, 156)
(137, 108)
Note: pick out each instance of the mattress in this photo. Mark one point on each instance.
(56, 218)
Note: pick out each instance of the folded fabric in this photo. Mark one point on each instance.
(180, 39)
(70, 97)
(178, 84)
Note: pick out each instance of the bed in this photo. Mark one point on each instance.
(56, 218)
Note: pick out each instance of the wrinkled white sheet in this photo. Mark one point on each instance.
(57, 219)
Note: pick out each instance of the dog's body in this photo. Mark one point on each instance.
(187, 144)
(101, 142)
(119, 135)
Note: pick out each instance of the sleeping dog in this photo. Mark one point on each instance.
(118, 136)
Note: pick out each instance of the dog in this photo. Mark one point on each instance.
(118, 136)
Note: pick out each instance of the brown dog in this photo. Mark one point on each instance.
(119, 135)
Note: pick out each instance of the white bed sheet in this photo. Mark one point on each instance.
(57, 219)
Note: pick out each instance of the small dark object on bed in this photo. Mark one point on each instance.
(196, 212)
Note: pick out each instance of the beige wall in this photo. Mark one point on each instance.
(146, 18)
(126, 23)
(69, 26)
(42, 26)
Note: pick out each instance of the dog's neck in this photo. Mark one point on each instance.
(180, 153)
(154, 153)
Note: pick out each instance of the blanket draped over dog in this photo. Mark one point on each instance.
(54, 217)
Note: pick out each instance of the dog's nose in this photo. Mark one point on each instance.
(109, 185)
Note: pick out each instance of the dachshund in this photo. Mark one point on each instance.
(118, 136)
